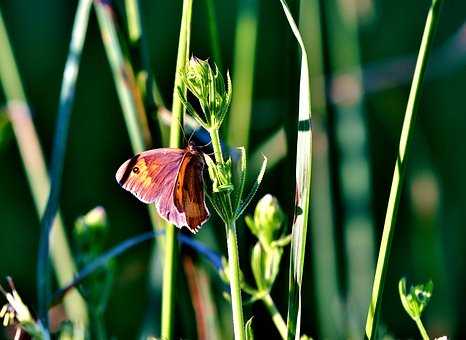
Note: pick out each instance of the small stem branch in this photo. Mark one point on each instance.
(275, 314)
(400, 167)
(421, 328)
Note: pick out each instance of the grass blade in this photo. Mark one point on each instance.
(58, 155)
(243, 74)
(400, 168)
(303, 186)
(145, 78)
(33, 160)
(136, 122)
(125, 81)
(171, 251)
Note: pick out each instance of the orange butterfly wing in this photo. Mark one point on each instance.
(189, 191)
(150, 174)
(172, 180)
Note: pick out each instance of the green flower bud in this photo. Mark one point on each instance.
(90, 230)
(265, 265)
(268, 217)
(417, 299)
(208, 86)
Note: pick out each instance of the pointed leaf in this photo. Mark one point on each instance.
(242, 177)
(253, 191)
(248, 330)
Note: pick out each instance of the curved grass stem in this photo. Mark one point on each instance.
(400, 168)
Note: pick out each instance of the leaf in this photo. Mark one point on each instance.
(242, 178)
(417, 299)
(248, 330)
(303, 186)
(190, 108)
(253, 191)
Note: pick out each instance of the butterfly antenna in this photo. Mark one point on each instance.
(203, 146)
(182, 129)
(191, 135)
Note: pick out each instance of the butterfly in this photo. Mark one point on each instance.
(172, 180)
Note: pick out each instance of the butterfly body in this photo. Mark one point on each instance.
(172, 180)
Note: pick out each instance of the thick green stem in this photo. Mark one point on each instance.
(421, 328)
(233, 258)
(216, 145)
(400, 167)
(275, 314)
(171, 250)
(235, 285)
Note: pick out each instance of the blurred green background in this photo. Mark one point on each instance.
(361, 54)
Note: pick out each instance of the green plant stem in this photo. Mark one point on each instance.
(421, 328)
(275, 314)
(400, 168)
(233, 257)
(171, 250)
(235, 285)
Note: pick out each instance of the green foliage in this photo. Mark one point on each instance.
(5, 129)
(248, 330)
(416, 300)
(90, 234)
(267, 226)
(208, 86)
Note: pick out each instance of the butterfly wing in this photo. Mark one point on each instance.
(151, 175)
(189, 192)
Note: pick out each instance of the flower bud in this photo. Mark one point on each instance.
(208, 86)
(90, 229)
(268, 217)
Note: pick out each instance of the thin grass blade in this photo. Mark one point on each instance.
(303, 186)
(58, 155)
(125, 80)
(32, 156)
(400, 169)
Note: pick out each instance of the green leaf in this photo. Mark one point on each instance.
(242, 177)
(248, 330)
(417, 299)
(244, 204)
(190, 108)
